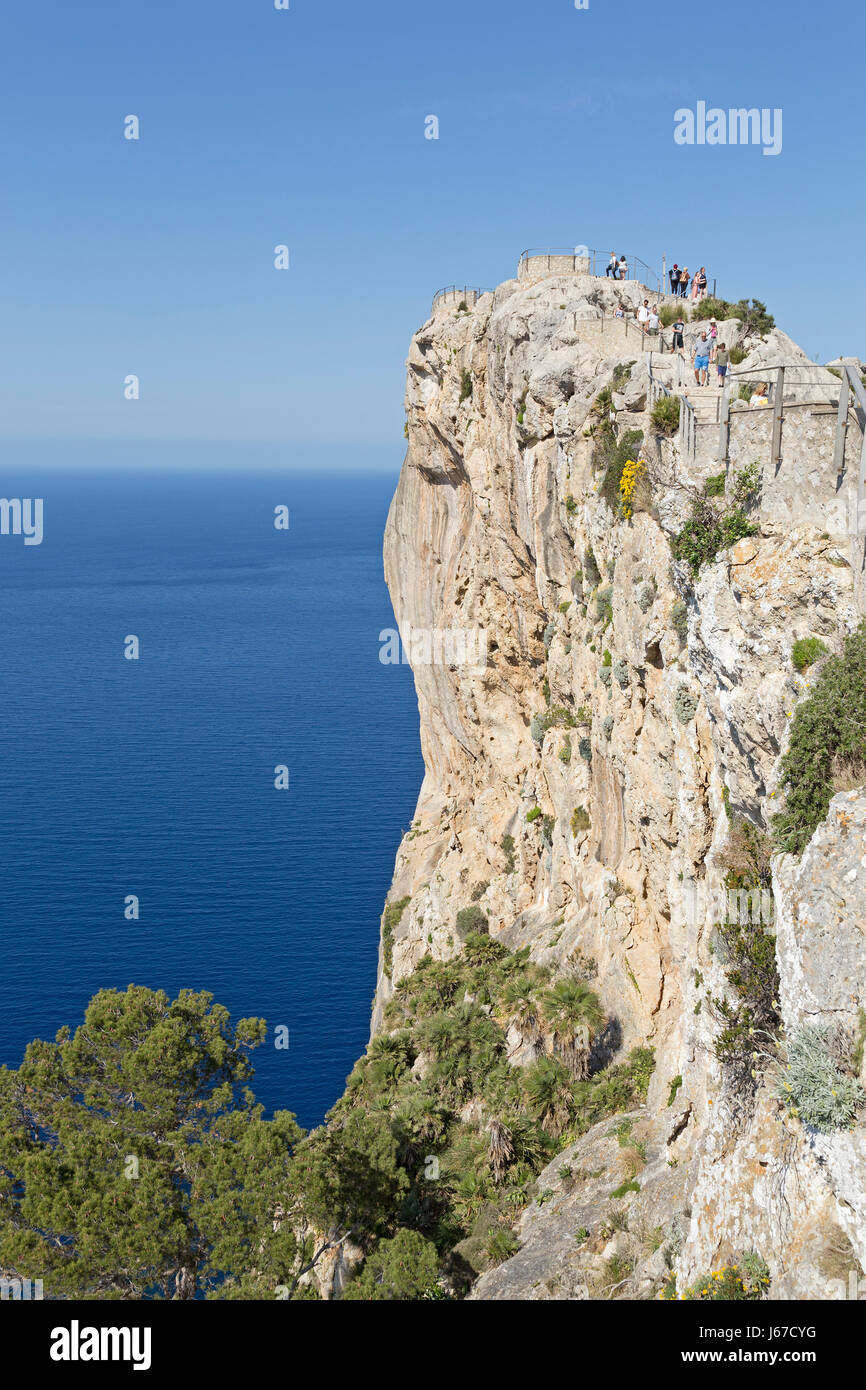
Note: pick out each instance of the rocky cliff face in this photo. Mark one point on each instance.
(654, 705)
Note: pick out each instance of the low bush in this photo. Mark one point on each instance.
(680, 619)
(814, 1088)
(665, 414)
(579, 820)
(469, 920)
(806, 651)
(390, 920)
(711, 529)
(465, 386)
(612, 455)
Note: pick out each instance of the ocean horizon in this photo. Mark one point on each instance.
(154, 777)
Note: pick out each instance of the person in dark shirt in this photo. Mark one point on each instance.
(677, 328)
(675, 279)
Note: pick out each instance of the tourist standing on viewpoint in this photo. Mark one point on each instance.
(623, 268)
(675, 279)
(702, 360)
(684, 282)
(612, 266)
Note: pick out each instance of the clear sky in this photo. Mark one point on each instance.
(307, 127)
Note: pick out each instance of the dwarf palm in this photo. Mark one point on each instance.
(549, 1095)
(576, 1015)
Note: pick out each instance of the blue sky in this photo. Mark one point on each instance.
(306, 127)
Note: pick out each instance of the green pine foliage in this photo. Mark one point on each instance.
(127, 1150)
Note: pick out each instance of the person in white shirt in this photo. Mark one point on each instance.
(643, 316)
(623, 268)
(654, 319)
(759, 396)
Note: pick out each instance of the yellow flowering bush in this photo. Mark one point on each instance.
(627, 484)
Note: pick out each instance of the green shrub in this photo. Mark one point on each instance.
(711, 307)
(579, 820)
(629, 1186)
(665, 414)
(606, 658)
(471, 920)
(806, 651)
(675, 1086)
(715, 485)
(570, 505)
(404, 1268)
(533, 815)
(590, 565)
(565, 750)
(612, 456)
(669, 313)
(753, 317)
(557, 717)
(621, 374)
(506, 844)
(829, 727)
(680, 619)
(390, 920)
(604, 605)
(744, 1282)
(737, 356)
(711, 529)
(814, 1088)
(501, 1245)
(465, 385)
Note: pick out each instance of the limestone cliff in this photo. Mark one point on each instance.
(656, 704)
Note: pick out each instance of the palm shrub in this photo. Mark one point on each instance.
(666, 414)
(576, 1015)
(549, 1095)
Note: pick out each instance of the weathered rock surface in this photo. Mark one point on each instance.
(497, 524)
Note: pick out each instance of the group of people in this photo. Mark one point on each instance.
(680, 279)
(679, 276)
(617, 267)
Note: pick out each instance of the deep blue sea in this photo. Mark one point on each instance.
(155, 777)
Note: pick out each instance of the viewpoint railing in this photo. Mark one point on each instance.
(470, 294)
(792, 387)
(587, 260)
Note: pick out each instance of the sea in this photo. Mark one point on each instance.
(244, 769)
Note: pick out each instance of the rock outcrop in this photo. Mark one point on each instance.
(657, 704)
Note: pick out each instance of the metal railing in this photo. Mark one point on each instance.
(598, 261)
(471, 293)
